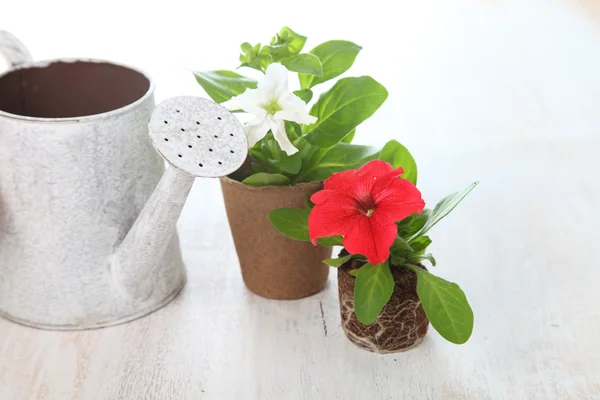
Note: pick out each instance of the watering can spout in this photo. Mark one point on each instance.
(137, 258)
(198, 138)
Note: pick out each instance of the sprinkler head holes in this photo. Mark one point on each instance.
(198, 136)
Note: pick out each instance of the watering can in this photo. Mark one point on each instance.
(88, 212)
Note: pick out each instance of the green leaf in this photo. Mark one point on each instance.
(325, 162)
(398, 258)
(278, 161)
(291, 222)
(373, 288)
(293, 130)
(420, 257)
(406, 224)
(270, 151)
(412, 224)
(223, 85)
(305, 149)
(308, 203)
(247, 49)
(290, 164)
(443, 208)
(399, 156)
(285, 44)
(336, 56)
(304, 63)
(264, 179)
(252, 57)
(401, 244)
(257, 167)
(305, 94)
(330, 241)
(257, 152)
(342, 108)
(400, 251)
(420, 244)
(446, 306)
(336, 262)
(353, 272)
(259, 158)
(349, 137)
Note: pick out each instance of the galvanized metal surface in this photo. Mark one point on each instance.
(13, 50)
(194, 135)
(70, 190)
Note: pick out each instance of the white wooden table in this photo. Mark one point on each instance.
(507, 92)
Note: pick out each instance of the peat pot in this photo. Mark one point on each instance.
(273, 265)
(402, 323)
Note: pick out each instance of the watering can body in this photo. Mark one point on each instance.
(75, 172)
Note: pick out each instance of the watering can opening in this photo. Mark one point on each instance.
(71, 88)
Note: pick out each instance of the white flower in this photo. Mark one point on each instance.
(272, 104)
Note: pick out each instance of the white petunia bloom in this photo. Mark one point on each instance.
(272, 104)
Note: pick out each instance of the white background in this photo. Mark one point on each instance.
(453, 68)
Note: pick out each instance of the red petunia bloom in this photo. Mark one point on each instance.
(363, 207)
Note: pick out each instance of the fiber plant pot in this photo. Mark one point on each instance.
(273, 266)
(402, 323)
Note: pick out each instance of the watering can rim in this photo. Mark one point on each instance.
(85, 118)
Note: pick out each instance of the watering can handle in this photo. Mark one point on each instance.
(13, 50)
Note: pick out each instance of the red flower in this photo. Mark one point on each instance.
(363, 207)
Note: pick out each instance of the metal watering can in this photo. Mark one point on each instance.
(87, 212)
